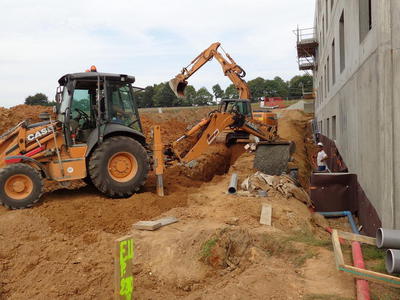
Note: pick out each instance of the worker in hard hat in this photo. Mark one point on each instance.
(322, 157)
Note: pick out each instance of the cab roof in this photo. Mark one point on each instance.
(94, 75)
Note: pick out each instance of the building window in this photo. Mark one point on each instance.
(326, 13)
(332, 1)
(328, 134)
(365, 18)
(323, 31)
(320, 126)
(322, 88)
(334, 127)
(342, 43)
(333, 63)
(326, 85)
(327, 74)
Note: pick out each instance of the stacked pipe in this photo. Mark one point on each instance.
(390, 239)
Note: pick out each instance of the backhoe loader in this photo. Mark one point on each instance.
(95, 134)
(234, 120)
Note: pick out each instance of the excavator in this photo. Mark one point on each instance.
(233, 120)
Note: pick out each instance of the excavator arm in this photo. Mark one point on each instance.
(229, 67)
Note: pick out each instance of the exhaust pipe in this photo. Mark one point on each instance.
(392, 261)
(178, 86)
(233, 184)
(388, 238)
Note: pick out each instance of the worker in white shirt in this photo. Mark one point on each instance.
(321, 158)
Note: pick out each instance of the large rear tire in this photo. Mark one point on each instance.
(119, 166)
(20, 186)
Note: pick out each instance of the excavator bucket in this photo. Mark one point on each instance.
(178, 86)
(273, 158)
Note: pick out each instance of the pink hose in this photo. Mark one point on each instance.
(362, 285)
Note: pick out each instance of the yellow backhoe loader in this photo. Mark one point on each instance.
(95, 134)
(233, 120)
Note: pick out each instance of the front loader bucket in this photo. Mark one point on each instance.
(273, 158)
(178, 87)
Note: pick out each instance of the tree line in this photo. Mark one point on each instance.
(161, 95)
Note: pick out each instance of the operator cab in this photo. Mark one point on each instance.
(89, 100)
(239, 106)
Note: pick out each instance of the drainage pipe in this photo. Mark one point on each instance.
(358, 260)
(345, 213)
(392, 261)
(232, 188)
(388, 238)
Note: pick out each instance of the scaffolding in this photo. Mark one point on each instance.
(307, 45)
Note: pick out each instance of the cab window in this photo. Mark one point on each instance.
(121, 106)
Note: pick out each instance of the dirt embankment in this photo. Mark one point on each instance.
(62, 248)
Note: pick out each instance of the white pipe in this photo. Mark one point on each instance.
(392, 261)
(388, 238)
(233, 184)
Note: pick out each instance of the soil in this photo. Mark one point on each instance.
(63, 248)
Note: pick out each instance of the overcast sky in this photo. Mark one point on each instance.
(42, 40)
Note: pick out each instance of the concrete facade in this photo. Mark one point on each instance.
(358, 93)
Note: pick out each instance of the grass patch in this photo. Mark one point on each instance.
(283, 246)
(383, 297)
(305, 236)
(299, 261)
(379, 267)
(371, 252)
(207, 247)
(324, 297)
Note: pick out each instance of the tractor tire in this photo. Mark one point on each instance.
(20, 186)
(119, 167)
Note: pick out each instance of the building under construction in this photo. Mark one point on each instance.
(353, 52)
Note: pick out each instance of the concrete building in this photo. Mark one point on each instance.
(356, 68)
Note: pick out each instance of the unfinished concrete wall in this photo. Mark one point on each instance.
(361, 95)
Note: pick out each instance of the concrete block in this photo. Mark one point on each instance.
(147, 225)
(266, 214)
(166, 220)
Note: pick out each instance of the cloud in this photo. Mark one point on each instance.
(42, 40)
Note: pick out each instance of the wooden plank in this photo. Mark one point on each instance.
(147, 225)
(371, 275)
(123, 261)
(357, 238)
(266, 214)
(337, 250)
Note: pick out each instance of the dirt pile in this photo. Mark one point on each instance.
(12, 116)
(294, 125)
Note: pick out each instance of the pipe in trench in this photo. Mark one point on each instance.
(358, 260)
(232, 188)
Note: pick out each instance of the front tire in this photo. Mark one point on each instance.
(20, 186)
(119, 166)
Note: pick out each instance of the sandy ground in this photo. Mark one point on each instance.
(62, 248)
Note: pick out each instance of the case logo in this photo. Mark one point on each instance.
(39, 133)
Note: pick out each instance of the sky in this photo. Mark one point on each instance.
(44, 39)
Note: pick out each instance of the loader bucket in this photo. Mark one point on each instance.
(273, 158)
(178, 87)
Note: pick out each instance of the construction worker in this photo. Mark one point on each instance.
(321, 158)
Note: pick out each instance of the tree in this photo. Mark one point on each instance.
(37, 99)
(231, 92)
(217, 91)
(257, 87)
(203, 97)
(190, 95)
(164, 96)
(298, 83)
